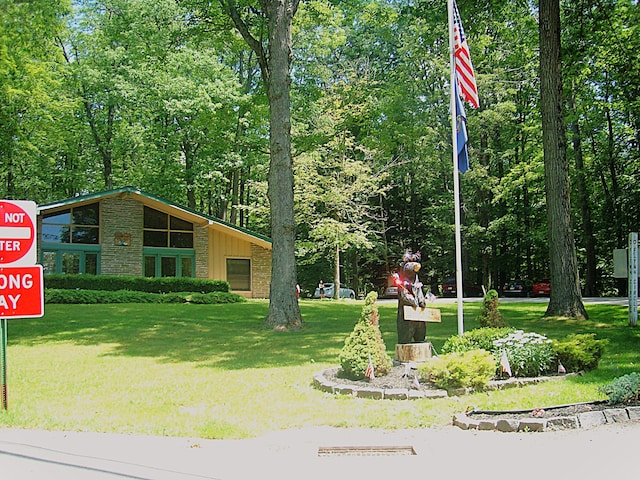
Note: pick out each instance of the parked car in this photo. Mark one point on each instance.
(450, 289)
(519, 287)
(391, 290)
(541, 288)
(329, 290)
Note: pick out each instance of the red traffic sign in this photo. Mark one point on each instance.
(21, 292)
(17, 232)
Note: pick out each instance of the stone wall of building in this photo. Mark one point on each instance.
(260, 271)
(121, 221)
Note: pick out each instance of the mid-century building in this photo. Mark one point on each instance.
(129, 232)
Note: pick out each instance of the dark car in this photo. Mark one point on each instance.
(450, 289)
(541, 288)
(519, 287)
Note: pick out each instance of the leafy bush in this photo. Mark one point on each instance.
(579, 351)
(470, 369)
(52, 296)
(479, 338)
(138, 284)
(490, 316)
(530, 354)
(364, 343)
(623, 389)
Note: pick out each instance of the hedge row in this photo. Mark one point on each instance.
(52, 296)
(134, 284)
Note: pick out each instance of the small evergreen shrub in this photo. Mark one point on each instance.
(479, 338)
(579, 351)
(364, 343)
(625, 389)
(530, 354)
(470, 369)
(490, 315)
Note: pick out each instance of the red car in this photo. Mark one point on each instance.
(541, 288)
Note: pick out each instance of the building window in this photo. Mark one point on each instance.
(168, 263)
(164, 230)
(239, 273)
(77, 225)
(65, 260)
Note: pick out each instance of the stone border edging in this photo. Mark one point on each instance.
(582, 420)
(321, 383)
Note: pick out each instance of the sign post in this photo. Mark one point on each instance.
(21, 280)
(633, 279)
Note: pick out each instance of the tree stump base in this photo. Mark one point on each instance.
(413, 352)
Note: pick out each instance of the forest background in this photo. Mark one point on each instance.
(165, 96)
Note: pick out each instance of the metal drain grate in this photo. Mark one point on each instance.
(365, 451)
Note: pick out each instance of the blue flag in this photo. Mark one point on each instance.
(461, 132)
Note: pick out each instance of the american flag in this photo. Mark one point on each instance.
(465, 75)
(369, 372)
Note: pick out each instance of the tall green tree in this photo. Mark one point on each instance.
(565, 296)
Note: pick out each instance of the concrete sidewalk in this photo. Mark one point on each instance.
(444, 453)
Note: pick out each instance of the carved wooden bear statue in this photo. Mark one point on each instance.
(410, 293)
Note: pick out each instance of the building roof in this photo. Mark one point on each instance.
(162, 205)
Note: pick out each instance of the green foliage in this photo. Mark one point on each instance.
(490, 315)
(623, 389)
(470, 369)
(579, 351)
(364, 343)
(530, 354)
(479, 338)
(138, 284)
(53, 296)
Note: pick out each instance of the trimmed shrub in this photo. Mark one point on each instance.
(470, 369)
(138, 284)
(490, 316)
(364, 343)
(52, 296)
(479, 338)
(625, 389)
(579, 351)
(530, 354)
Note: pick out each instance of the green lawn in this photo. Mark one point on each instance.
(214, 372)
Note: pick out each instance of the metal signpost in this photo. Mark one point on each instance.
(21, 283)
(633, 279)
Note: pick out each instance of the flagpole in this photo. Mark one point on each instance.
(456, 174)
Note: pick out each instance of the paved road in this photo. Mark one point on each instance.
(604, 452)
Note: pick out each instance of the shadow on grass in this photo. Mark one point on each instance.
(233, 337)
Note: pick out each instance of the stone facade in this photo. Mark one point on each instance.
(121, 216)
(260, 271)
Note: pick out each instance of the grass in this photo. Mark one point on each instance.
(212, 371)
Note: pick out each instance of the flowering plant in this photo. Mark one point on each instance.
(530, 354)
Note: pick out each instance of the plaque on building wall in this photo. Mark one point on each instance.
(122, 239)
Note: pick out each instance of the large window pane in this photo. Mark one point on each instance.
(70, 263)
(48, 262)
(91, 263)
(179, 224)
(239, 273)
(181, 240)
(60, 217)
(155, 219)
(149, 266)
(153, 238)
(187, 266)
(168, 266)
(87, 215)
(87, 235)
(55, 233)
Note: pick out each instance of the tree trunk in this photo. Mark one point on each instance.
(336, 274)
(565, 298)
(284, 311)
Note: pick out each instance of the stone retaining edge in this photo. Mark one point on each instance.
(582, 420)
